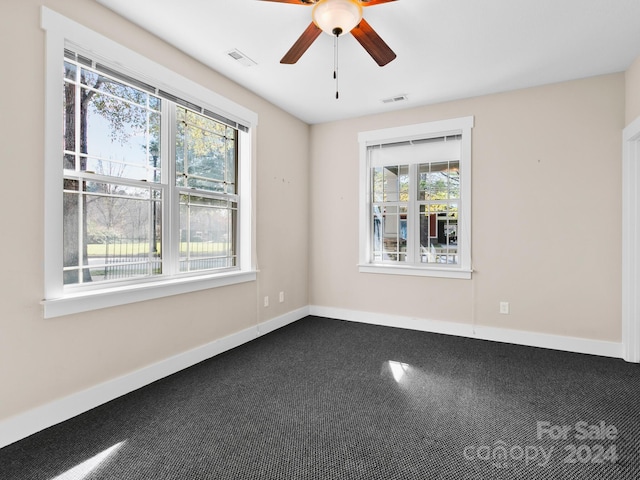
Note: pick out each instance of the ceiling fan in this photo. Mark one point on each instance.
(337, 17)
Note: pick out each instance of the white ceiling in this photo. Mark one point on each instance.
(447, 49)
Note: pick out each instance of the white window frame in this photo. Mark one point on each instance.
(455, 126)
(62, 32)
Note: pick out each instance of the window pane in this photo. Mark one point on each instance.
(454, 180)
(205, 154)
(69, 162)
(110, 86)
(451, 225)
(121, 139)
(438, 181)
(376, 229)
(111, 231)
(207, 239)
(390, 184)
(180, 148)
(154, 103)
(69, 122)
(70, 70)
(403, 182)
(377, 184)
(427, 229)
(232, 158)
(72, 248)
(439, 233)
(391, 229)
(205, 123)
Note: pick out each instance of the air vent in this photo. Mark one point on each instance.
(241, 58)
(397, 98)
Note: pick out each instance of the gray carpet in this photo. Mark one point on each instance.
(328, 399)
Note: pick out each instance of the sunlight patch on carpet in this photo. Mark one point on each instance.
(79, 472)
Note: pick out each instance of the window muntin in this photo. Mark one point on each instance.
(415, 199)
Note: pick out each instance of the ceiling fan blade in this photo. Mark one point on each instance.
(302, 44)
(302, 2)
(372, 43)
(370, 3)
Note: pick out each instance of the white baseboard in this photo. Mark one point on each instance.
(282, 320)
(32, 421)
(518, 337)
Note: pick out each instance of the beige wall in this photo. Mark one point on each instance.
(632, 92)
(42, 360)
(546, 166)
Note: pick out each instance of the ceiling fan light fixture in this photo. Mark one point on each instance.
(336, 17)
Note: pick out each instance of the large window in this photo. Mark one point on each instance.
(415, 199)
(153, 194)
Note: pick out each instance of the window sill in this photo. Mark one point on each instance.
(441, 272)
(111, 297)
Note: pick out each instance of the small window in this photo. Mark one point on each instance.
(415, 199)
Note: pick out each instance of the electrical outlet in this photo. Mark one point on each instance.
(266, 301)
(504, 308)
(281, 297)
